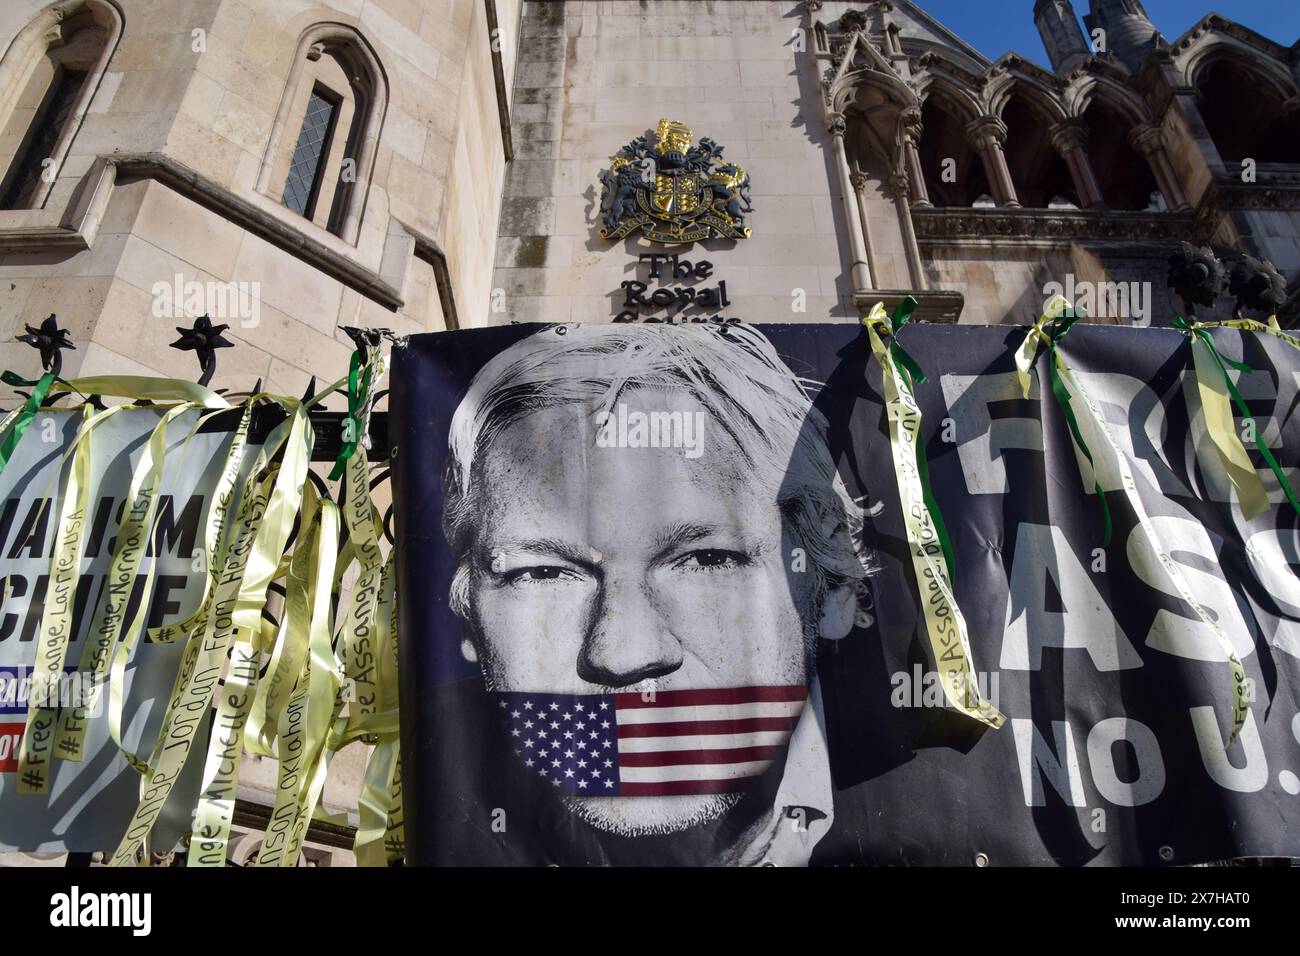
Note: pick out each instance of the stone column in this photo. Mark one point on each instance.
(988, 135)
(1149, 142)
(859, 271)
(1185, 101)
(859, 180)
(1070, 139)
(901, 188)
(909, 126)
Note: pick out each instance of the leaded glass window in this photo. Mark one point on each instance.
(54, 114)
(302, 185)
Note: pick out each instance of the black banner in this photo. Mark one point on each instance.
(673, 560)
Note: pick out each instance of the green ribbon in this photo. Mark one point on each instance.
(1200, 333)
(24, 419)
(910, 371)
(902, 359)
(358, 393)
(1056, 322)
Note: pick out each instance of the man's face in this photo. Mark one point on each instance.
(614, 568)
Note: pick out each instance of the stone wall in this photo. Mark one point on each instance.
(593, 75)
(209, 105)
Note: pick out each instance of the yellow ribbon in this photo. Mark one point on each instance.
(153, 389)
(1240, 706)
(266, 513)
(1215, 391)
(1057, 306)
(302, 733)
(37, 750)
(1221, 426)
(359, 627)
(945, 626)
(216, 546)
(395, 837)
(134, 533)
(324, 677)
(290, 649)
(212, 819)
(1251, 325)
(375, 804)
(1058, 317)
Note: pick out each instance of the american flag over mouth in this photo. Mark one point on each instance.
(680, 742)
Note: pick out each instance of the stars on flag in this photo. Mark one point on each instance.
(561, 747)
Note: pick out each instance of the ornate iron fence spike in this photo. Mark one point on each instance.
(50, 340)
(364, 338)
(203, 338)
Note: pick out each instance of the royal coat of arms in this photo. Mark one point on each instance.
(673, 191)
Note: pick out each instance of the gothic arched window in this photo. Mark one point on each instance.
(1041, 176)
(47, 79)
(954, 173)
(322, 150)
(1245, 114)
(1123, 174)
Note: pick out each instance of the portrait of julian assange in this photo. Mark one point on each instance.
(650, 541)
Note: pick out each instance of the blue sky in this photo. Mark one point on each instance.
(995, 26)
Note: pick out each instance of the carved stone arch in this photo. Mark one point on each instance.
(861, 63)
(1081, 94)
(846, 91)
(927, 53)
(950, 151)
(56, 62)
(1041, 97)
(872, 106)
(355, 56)
(959, 100)
(1031, 113)
(1121, 144)
(1213, 47)
(1247, 101)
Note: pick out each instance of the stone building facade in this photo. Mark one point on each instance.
(888, 156)
(296, 166)
(160, 134)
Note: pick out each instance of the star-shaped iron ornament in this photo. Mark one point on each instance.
(203, 339)
(49, 338)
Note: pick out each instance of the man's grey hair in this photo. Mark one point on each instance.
(732, 371)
